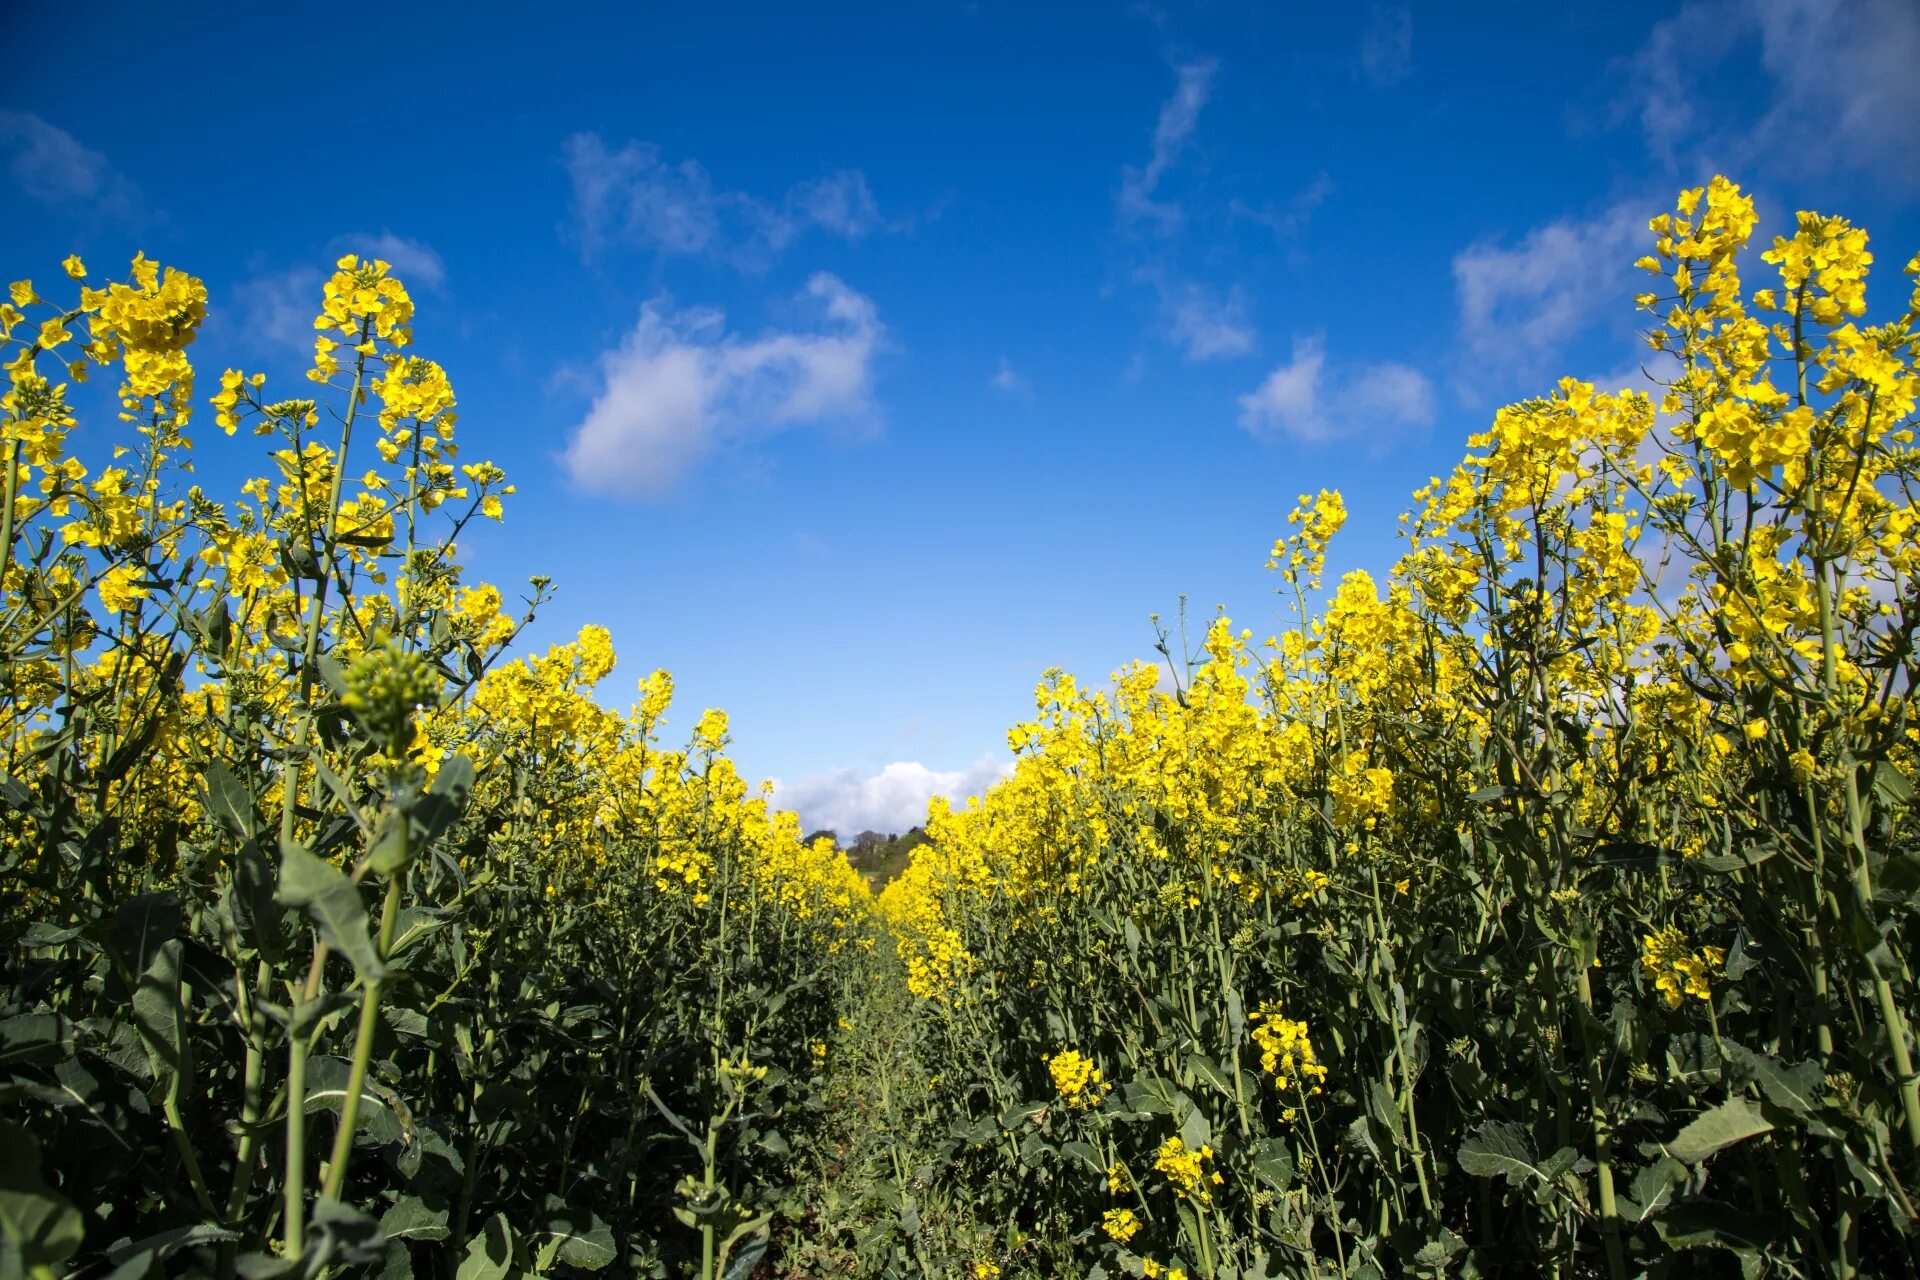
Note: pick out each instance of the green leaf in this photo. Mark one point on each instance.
(1382, 1107)
(1086, 1155)
(489, 1254)
(228, 802)
(157, 1012)
(1892, 786)
(1273, 1164)
(576, 1237)
(1204, 1067)
(1653, 1188)
(1500, 1148)
(1795, 1089)
(40, 1223)
(133, 1261)
(411, 1219)
(334, 905)
(1702, 1224)
(377, 1120)
(34, 1038)
(1734, 1120)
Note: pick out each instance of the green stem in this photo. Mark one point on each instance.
(363, 1042)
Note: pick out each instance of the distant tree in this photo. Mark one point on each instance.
(826, 833)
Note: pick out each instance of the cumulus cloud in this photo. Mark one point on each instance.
(681, 384)
(636, 196)
(890, 801)
(1521, 303)
(53, 167)
(1386, 50)
(1303, 400)
(1839, 74)
(1178, 116)
(414, 261)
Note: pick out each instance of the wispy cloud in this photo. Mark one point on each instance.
(635, 196)
(276, 308)
(414, 261)
(893, 800)
(1386, 49)
(1521, 303)
(1291, 219)
(1204, 323)
(1839, 74)
(1011, 381)
(1140, 185)
(681, 384)
(52, 166)
(1305, 401)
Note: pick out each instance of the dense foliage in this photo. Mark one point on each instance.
(1547, 907)
(330, 939)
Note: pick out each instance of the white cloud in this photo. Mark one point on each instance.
(891, 801)
(1011, 381)
(1178, 116)
(635, 196)
(276, 308)
(1839, 74)
(1386, 50)
(680, 384)
(1299, 399)
(52, 166)
(1204, 325)
(1520, 304)
(839, 202)
(1290, 221)
(414, 261)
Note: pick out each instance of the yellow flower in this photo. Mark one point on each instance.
(74, 267)
(1120, 1225)
(1185, 1170)
(1076, 1079)
(1676, 971)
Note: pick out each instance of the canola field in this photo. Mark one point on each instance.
(1541, 905)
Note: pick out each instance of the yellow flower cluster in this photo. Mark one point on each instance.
(1675, 969)
(1076, 1079)
(1185, 1169)
(1287, 1055)
(1120, 1225)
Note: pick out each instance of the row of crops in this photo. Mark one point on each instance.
(334, 939)
(1543, 906)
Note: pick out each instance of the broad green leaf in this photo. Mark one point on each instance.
(157, 1012)
(411, 1219)
(1734, 1120)
(228, 802)
(34, 1038)
(489, 1254)
(1653, 1188)
(1794, 1089)
(1086, 1155)
(377, 1119)
(133, 1261)
(1701, 1224)
(39, 1222)
(1204, 1067)
(576, 1237)
(1499, 1148)
(1382, 1107)
(334, 905)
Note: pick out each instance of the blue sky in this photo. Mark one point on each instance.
(859, 362)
